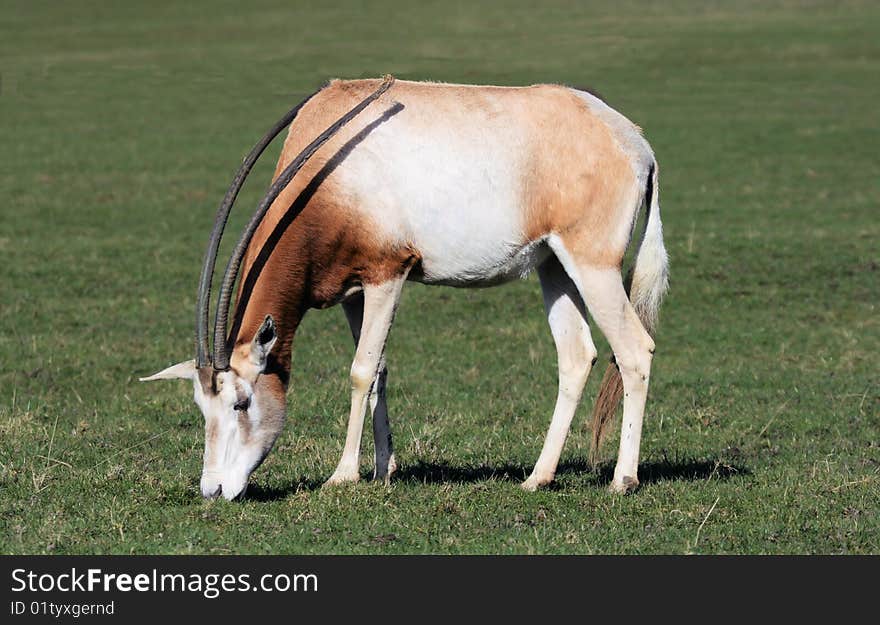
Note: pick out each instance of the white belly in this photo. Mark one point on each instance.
(503, 268)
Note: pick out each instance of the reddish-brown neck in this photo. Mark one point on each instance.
(286, 299)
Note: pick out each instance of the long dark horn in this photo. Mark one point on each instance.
(204, 298)
(221, 349)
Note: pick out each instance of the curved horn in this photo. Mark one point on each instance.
(204, 297)
(221, 349)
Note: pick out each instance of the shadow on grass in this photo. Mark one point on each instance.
(679, 470)
(444, 473)
(259, 492)
(649, 472)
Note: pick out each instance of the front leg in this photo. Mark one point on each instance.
(380, 304)
(384, 461)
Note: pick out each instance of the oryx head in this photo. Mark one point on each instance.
(243, 410)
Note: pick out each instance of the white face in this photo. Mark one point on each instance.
(243, 410)
(237, 437)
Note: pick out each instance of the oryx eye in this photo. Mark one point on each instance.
(243, 404)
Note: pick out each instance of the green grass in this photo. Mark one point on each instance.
(121, 126)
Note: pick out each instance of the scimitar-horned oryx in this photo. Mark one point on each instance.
(465, 186)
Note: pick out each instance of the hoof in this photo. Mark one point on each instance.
(534, 483)
(626, 484)
(385, 477)
(339, 478)
(392, 466)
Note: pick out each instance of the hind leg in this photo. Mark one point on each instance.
(384, 461)
(606, 299)
(576, 355)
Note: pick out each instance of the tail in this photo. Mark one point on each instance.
(646, 283)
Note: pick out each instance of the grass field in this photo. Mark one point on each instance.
(122, 125)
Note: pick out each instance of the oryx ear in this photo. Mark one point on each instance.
(263, 342)
(181, 371)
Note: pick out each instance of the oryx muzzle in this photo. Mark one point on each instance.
(223, 343)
